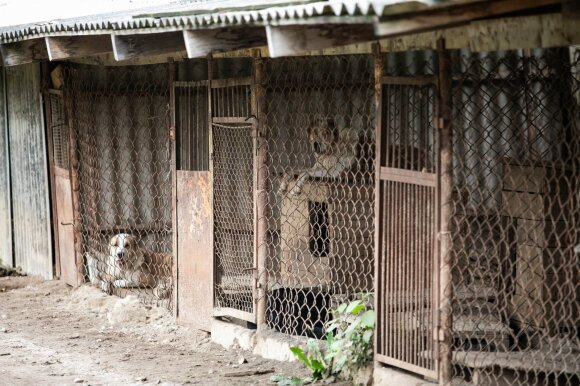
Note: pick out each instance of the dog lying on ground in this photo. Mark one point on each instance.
(334, 154)
(128, 266)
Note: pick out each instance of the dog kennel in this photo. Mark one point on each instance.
(500, 208)
(111, 151)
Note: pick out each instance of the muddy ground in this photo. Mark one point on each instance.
(51, 334)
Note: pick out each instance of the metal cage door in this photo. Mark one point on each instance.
(58, 130)
(193, 195)
(233, 149)
(407, 218)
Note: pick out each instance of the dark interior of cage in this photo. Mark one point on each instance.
(516, 213)
(120, 115)
(320, 154)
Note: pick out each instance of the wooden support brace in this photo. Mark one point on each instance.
(449, 16)
(26, 51)
(63, 47)
(200, 43)
(133, 46)
(295, 39)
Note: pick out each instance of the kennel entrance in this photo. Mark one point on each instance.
(118, 117)
(232, 128)
(62, 188)
(192, 195)
(407, 218)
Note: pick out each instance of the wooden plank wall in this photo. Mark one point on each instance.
(29, 171)
(6, 257)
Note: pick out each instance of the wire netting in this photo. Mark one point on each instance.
(121, 117)
(320, 195)
(515, 219)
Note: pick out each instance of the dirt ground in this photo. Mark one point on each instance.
(51, 334)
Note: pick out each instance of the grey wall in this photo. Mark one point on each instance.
(5, 228)
(29, 171)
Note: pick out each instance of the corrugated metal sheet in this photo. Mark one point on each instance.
(215, 14)
(29, 171)
(5, 228)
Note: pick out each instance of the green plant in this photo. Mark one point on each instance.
(349, 346)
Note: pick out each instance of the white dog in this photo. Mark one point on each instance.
(334, 154)
(128, 266)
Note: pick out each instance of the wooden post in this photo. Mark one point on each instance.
(74, 178)
(172, 135)
(445, 199)
(378, 299)
(261, 193)
(50, 144)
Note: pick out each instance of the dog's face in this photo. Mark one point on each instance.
(323, 136)
(123, 249)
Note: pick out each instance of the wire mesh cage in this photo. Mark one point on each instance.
(407, 216)
(515, 217)
(319, 130)
(120, 118)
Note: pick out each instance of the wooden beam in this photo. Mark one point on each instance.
(291, 40)
(454, 15)
(26, 51)
(133, 46)
(63, 47)
(200, 43)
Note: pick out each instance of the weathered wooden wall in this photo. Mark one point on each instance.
(5, 228)
(29, 171)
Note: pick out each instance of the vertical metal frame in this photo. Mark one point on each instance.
(225, 117)
(445, 182)
(172, 143)
(393, 186)
(261, 192)
(74, 177)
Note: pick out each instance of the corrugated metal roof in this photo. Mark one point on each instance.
(210, 14)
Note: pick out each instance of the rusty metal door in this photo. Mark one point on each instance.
(233, 149)
(62, 189)
(193, 188)
(406, 219)
(64, 215)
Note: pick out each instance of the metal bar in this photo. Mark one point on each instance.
(407, 176)
(172, 150)
(410, 81)
(379, 268)
(211, 173)
(74, 176)
(235, 313)
(225, 119)
(192, 84)
(446, 187)
(225, 83)
(261, 193)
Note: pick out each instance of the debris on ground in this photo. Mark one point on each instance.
(53, 334)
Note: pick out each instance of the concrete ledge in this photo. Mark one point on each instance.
(386, 376)
(275, 345)
(229, 335)
(267, 344)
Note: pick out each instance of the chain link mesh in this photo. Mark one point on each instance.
(320, 206)
(59, 128)
(233, 215)
(515, 220)
(120, 115)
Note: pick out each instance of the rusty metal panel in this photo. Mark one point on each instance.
(194, 249)
(64, 213)
(5, 217)
(407, 223)
(29, 171)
